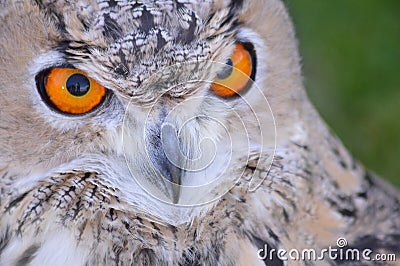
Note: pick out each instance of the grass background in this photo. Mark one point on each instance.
(351, 59)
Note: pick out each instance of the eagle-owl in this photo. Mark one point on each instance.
(170, 132)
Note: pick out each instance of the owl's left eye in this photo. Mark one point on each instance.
(236, 76)
(70, 90)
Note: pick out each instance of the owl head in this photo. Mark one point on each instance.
(168, 101)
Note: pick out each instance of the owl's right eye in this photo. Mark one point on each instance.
(70, 90)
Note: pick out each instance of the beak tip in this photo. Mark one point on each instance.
(176, 187)
(175, 195)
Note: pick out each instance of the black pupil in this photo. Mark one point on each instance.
(226, 71)
(78, 84)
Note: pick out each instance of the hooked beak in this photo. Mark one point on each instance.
(167, 158)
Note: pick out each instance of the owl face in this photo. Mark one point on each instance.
(167, 101)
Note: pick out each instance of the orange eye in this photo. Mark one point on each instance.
(236, 75)
(71, 91)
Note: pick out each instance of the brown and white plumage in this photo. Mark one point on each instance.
(69, 186)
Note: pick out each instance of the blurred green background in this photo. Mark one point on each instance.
(351, 59)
